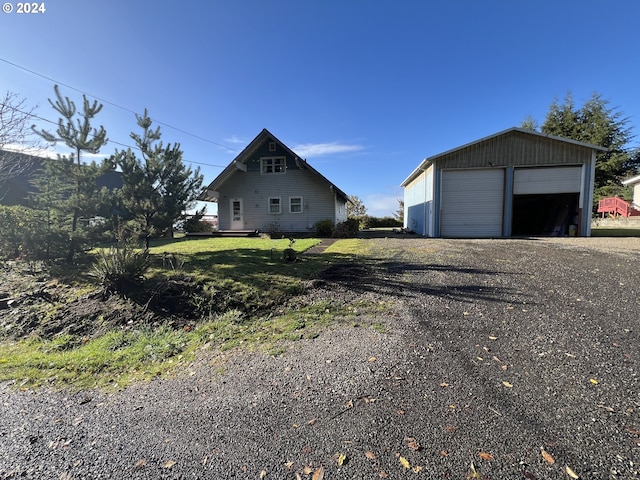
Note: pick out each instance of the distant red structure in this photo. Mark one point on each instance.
(616, 206)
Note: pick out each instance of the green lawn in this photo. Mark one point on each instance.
(614, 232)
(249, 268)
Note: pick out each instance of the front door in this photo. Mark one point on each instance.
(237, 219)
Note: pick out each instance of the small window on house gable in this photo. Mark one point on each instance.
(274, 205)
(295, 204)
(272, 146)
(272, 165)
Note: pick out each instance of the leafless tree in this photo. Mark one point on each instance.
(16, 118)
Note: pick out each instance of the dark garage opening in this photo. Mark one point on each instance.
(544, 214)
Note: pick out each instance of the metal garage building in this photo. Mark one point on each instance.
(516, 182)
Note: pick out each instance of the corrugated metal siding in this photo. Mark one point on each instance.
(472, 203)
(516, 149)
(528, 181)
(255, 190)
(417, 198)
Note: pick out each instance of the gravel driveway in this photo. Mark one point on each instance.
(499, 359)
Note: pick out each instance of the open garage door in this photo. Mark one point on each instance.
(472, 203)
(545, 200)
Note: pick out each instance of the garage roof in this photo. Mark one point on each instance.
(427, 161)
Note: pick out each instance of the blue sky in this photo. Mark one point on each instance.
(363, 89)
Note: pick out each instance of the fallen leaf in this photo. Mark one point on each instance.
(370, 455)
(168, 464)
(485, 456)
(504, 368)
(450, 428)
(383, 474)
(139, 465)
(372, 359)
(413, 444)
(570, 472)
(594, 381)
(342, 458)
(466, 314)
(400, 412)
(444, 453)
(405, 463)
(312, 421)
(507, 384)
(633, 430)
(307, 470)
(263, 473)
(289, 465)
(443, 384)
(416, 469)
(318, 474)
(529, 475)
(547, 457)
(491, 337)
(298, 477)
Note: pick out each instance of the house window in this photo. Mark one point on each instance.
(295, 204)
(272, 146)
(274, 205)
(272, 165)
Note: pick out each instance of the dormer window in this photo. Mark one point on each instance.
(272, 165)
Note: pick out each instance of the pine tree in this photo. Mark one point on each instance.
(158, 187)
(75, 130)
(598, 124)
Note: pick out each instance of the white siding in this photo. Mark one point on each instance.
(636, 194)
(528, 181)
(472, 203)
(319, 202)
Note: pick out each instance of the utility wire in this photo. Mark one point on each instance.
(30, 114)
(117, 106)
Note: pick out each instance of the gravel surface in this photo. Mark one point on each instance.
(498, 359)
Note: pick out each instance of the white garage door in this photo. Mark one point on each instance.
(472, 203)
(529, 181)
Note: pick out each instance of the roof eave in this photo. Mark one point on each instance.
(632, 180)
(425, 163)
(244, 155)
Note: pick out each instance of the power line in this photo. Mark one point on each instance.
(117, 106)
(30, 114)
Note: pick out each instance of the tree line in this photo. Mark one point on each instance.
(68, 212)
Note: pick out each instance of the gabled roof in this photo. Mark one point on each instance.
(427, 161)
(245, 155)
